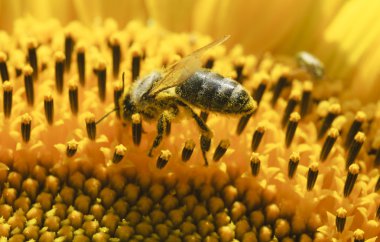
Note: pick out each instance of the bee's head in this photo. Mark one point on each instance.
(126, 107)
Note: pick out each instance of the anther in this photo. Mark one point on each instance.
(71, 148)
(255, 164)
(333, 112)
(8, 97)
(117, 93)
(32, 57)
(306, 98)
(377, 186)
(279, 86)
(360, 118)
(239, 72)
(290, 107)
(209, 63)
(221, 149)
(69, 47)
(329, 143)
(257, 137)
(293, 164)
(59, 71)
(119, 153)
(163, 159)
(18, 70)
(242, 123)
(91, 126)
(312, 175)
(187, 150)
(352, 175)
(3, 67)
(358, 235)
(101, 73)
(29, 85)
(205, 146)
(291, 128)
(81, 64)
(377, 157)
(136, 128)
(354, 149)
(73, 97)
(136, 62)
(378, 212)
(116, 55)
(204, 115)
(340, 220)
(259, 92)
(49, 108)
(26, 123)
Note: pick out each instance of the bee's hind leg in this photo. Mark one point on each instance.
(163, 124)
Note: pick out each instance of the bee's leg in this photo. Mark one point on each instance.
(163, 124)
(205, 130)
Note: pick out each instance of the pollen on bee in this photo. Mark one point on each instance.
(49, 108)
(355, 147)
(29, 84)
(293, 164)
(163, 159)
(136, 128)
(7, 98)
(312, 175)
(352, 175)
(81, 63)
(71, 148)
(187, 150)
(3, 67)
(59, 70)
(255, 163)
(26, 123)
(332, 136)
(90, 126)
(221, 149)
(119, 153)
(340, 220)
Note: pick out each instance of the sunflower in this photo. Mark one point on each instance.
(302, 166)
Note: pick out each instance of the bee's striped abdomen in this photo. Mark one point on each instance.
(213, 92)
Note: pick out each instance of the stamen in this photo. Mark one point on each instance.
(3, 67)
(188, 150)
(312, 175)
(255, 164)
(204, 115)
(18, 70)
(378, 212)
(377, 187)
(71, 148)
(355, 147)
(26, 123)
(329, 143)
(49, 108)
(290, 107)
(291, 128)
(293, 164)
(73, 97)
(221, 149)
(69, 47)
(32, 57)
(257, 137)
(259, 92)
(358, 235)
(340, 220)
(377, 157)
(81, 63)
(168, 127)
(352, 175)
(117, 93)
(306, 98)
(243, 123)
(136, 62)
(360, 118)
(239, 72)
(163, 159)
(90, 126)
(333, 112)
(101, 73)
(119, 153)
(59, 71)
(205, 146)
(279, 86)
(209, 63)
(29, 85)
(8, 97)
(136, 128)
(116, 55)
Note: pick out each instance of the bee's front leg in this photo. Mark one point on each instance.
(163, 124)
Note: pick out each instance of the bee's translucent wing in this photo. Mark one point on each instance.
(183, 69)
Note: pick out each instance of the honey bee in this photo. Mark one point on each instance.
(160, 96)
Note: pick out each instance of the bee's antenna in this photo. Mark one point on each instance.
(106, 115)
(123, 79)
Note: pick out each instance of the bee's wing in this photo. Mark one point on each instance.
(180, 71)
